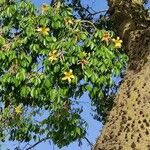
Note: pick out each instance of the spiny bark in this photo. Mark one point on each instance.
(128, 126)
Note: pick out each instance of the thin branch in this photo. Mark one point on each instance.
(89, 22)
(95, 12)
(52, 2)
(41, 68)
(26, 146)
(87, 9)
(37, 143)
(81, 102)
(91, 144)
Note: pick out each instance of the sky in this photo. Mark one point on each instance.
(94, 126)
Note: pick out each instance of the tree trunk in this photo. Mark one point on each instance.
(128, 126)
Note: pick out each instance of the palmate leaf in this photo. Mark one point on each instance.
(44, 57)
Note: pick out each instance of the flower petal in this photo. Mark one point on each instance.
(39, 29)
(72, 76)
(69, 80)
(70, 71)
(64, 78)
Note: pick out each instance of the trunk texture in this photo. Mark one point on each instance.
(128, 126)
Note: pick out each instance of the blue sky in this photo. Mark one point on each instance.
(93, 125)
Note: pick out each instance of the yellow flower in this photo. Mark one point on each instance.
(53, 56)
(118, 42)
(44, 8)
(106, 37)
(43, 30)
(68, 21)
(18, 110)
(68, 76)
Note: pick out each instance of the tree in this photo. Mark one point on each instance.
(50, 57)
(129, 122)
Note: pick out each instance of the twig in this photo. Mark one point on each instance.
(26, 146)
(94, 12)
(37, 143)
(91, 144)
(52, 2)
(89, 22)
(41, 68)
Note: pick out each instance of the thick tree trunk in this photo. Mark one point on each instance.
(128, 126)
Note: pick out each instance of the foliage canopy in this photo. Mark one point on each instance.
(48, 59)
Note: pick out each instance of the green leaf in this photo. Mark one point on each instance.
(78, 130)
(47, 83)
(30, 31)
(25, 90)
(21, 75)
(34, 92)
(103, 68)
(2, 41)
(88, 87)
(36, 81)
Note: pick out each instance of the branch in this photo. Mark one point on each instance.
(41, 68)
(94, 12)
(52, 2)
(37, 143)
(89, 22)
(91, 144)
(84, 11)
(26, 146)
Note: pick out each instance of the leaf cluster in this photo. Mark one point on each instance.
(31, 78)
